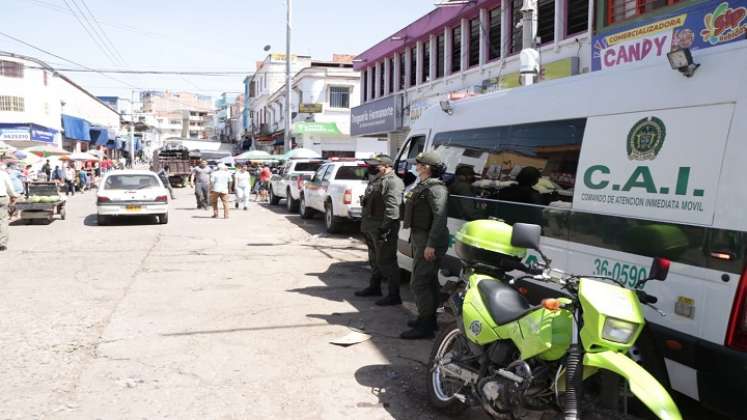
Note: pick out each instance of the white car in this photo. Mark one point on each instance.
(335, 191)
(131, 193)
(281, 183)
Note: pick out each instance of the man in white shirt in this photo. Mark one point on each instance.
(243, 185)
(219, 181)
(7, 198)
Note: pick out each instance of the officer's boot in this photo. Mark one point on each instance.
(424, 329)
(369, 291)
(389, 300)
(416, 321)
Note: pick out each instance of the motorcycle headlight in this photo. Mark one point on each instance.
(618, 330)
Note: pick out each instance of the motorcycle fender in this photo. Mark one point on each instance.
(648, 390)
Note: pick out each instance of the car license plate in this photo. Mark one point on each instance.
(134, 208)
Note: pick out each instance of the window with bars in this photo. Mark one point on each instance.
(426, 76)
(381, 79)
(413, 66)
(11, 69)
(546, 20)
(339, 97)
(440, 49)
(516, 33)
(577, 19)
(391, 75)
(620, 10)
(474, 42)
(402, 74)
(364, 81)
(12, 103)
(494, 35)
(456, 49)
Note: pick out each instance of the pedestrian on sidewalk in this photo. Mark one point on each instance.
(7, 198)
(219, 181)
(200, 180)
(163, 174)
(243, 186)
(425, 216)
(70, 180)
(264, 182)
(380, 228)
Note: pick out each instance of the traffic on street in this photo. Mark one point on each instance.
(470, 209)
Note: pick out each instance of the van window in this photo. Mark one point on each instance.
(328, 174)
(352, 173)
(529, 163)
(413, 147)
(307, 166)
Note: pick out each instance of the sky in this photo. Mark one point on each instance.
(193, 35)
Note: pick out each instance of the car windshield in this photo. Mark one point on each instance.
(130, 182)
(352, 173)
(307, 166)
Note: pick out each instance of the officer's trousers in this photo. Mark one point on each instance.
(382, 255)
(424, 280)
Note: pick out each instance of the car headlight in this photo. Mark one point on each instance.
(618, 330)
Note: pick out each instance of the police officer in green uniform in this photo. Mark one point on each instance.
(425, 215)
(380, 227)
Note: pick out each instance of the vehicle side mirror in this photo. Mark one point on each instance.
(659, 269)
(525, 235)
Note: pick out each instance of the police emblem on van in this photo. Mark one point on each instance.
(646, 138)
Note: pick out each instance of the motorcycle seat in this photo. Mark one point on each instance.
(503, 302)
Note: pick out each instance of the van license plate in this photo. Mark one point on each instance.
(134, 208)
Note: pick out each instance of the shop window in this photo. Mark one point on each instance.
(546, 20)
(426, 76)
(413, 66)
(402, 71)
(516, 32)
(440, 49)
(578, 16)
(381, 79)
(456, 49)
(339, 97)
(620, 10)
(494, 37)
(11, 69)
(391, 75)
(12, 103)
(474, 42)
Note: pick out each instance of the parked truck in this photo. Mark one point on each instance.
(177, 158)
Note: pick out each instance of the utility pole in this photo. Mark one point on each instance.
(288, 110)
(529, 56)
(132, 128)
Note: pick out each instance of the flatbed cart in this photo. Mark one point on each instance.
(44, 210)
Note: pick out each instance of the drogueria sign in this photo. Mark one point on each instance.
(660, 165)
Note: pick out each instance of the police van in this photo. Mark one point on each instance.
(630, 164)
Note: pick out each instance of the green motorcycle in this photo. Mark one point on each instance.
(509, 357)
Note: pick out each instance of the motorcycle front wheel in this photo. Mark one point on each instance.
(443, 390)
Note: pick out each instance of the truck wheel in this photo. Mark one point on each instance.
(274, 200)
(290, 203)
(331, 222)
(305, 212)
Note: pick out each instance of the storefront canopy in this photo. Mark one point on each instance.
(76, 128)
(99, 136)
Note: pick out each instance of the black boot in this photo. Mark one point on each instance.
(369, 291)
(389, 301)
(424, 329)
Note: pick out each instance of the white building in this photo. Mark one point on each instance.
(40, 105)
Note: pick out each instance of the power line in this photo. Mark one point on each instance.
(103, 33)
(88, 31)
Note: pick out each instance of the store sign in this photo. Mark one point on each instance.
(15, 133)
(654, 165)
(702, 26)
(310, 108)
(554, 70)
(39, 133)
(378, 117)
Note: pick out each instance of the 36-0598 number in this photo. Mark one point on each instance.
(628, 274)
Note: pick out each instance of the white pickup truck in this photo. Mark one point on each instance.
(335, 191)
(285, 183)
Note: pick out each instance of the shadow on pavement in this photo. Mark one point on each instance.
(313, 226)
(400, 386)
(90, 220)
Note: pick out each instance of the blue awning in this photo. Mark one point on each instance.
(76, 128)
(99, 136)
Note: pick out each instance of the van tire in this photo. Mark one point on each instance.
(332, 223)
(274, 199)
(290, 203)
(305, 212)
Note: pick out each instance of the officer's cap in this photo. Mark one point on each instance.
(429, 158)
(380, 160)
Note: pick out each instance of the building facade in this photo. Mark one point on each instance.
(180, 114)
(39, 105)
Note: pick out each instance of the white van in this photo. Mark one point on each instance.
(634, 163)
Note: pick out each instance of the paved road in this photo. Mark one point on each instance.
(200, 318)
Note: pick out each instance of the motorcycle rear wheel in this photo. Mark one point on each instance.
(442, 390)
